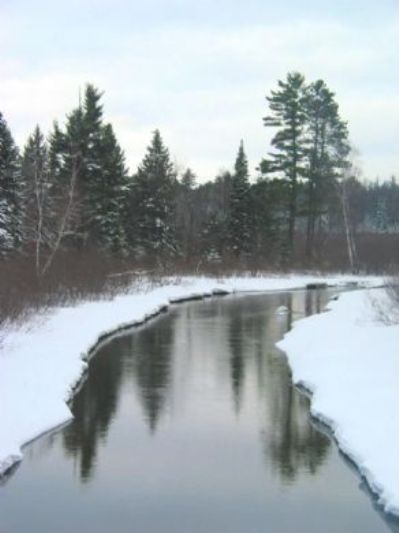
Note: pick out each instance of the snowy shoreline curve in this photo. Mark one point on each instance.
(348, 359)
(43, 361)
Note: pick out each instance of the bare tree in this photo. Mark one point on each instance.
(352, 170)
(37, 194)
(50, 201)
(349, 233)
(66, 212)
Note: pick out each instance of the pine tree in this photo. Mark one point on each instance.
(287, 115)
(92, 178)
(381, 216)
(239, 232)
(212, 238)
(10, 191)
(109, 197)
(326, 151)
(89, 151)
(188, 179)
(152, 204)
(56, 151)
(269, 201)
(212, 201)
(66, 165)
(185, 213)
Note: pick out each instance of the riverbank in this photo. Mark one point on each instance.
(348, 360)
(42, 361)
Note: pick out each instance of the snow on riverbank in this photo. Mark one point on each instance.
(348, 358)
(41, 362)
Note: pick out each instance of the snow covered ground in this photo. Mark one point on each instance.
(348, 358)
(347, 361)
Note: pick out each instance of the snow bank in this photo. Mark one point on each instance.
(41, 363)
(349, 360)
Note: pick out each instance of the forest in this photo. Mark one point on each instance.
(69, 195)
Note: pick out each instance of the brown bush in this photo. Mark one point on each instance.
(74, 276)
(87, 275)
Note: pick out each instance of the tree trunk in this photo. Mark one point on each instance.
(350, 241)
(66, 216)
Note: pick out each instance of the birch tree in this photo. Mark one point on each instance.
(38, 222)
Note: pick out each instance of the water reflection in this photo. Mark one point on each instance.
(246, 338)
(237, 357)
(151, 350)
(314, 302)
(292, 442)
(95, 406)
(191, 423)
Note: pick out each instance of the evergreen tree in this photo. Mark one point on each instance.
(240, 214)
(269, 205)
(392, 202)
(92, 179)
(287, 115)
(56, 151)
(188, 180)
(110, 196)
(152, 205)
(88, 151)
(66, 166)
(212, 226)
(212, 238)
(185, 214)
(10, 191)
(326, 151)
(381, 216)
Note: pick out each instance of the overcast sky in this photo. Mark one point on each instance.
(199, 70)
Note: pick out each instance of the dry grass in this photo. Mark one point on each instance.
(91, 275)
(376, 253)
(74, 277)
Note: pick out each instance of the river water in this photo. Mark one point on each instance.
(190, 424)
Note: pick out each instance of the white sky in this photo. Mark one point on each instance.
(199, 70)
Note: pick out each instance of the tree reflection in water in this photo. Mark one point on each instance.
(94, 407)
(314, 302)
(290, 440)
(152, 367)
(242, 336)
(237, 357)
(292, 443)
(96, 403)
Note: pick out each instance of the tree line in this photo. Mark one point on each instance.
(73, 191)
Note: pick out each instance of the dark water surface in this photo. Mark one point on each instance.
(190, 424)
